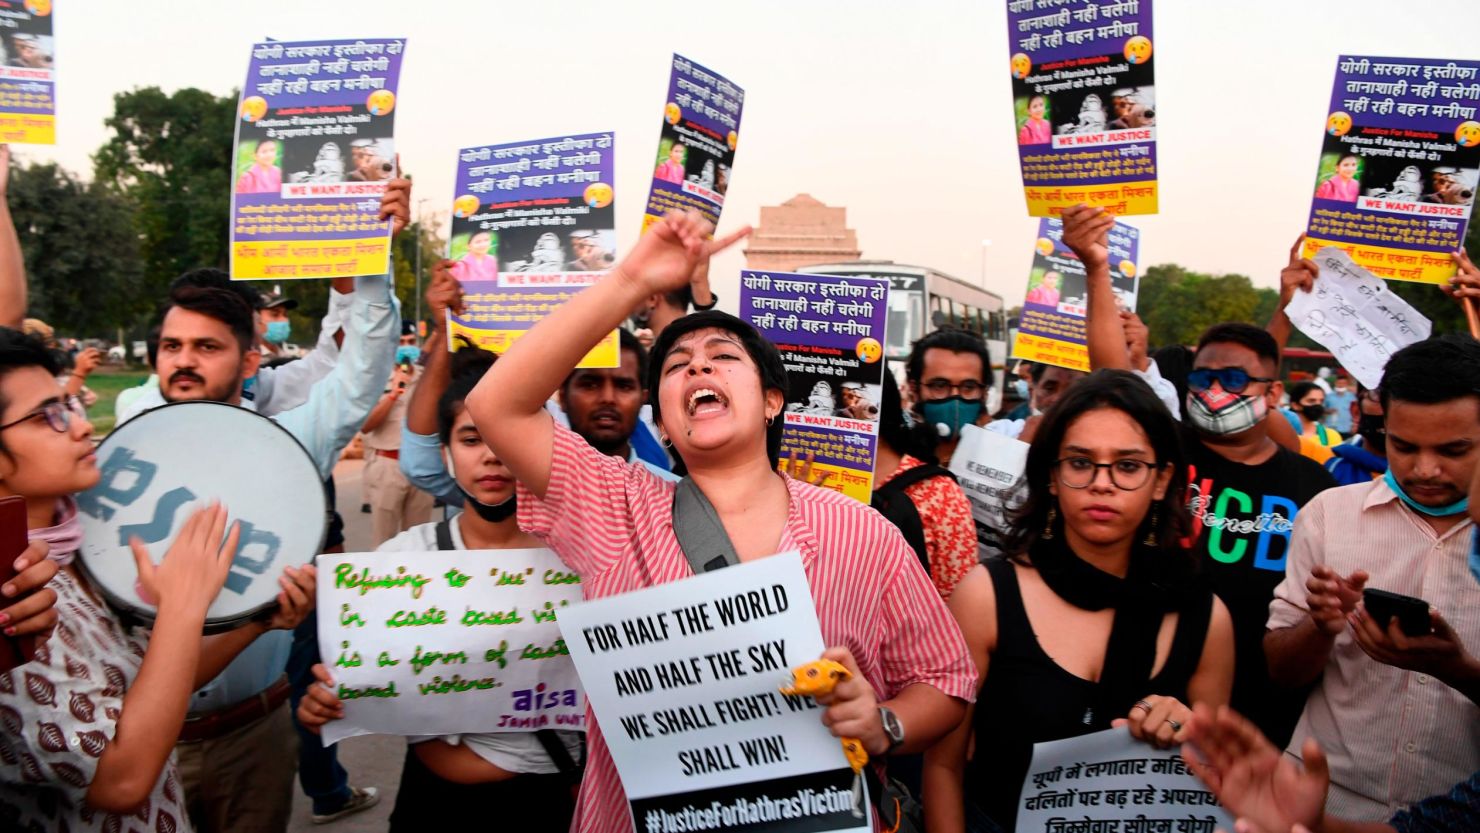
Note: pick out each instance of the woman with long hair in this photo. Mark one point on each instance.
(717, 389)
(1096, 618)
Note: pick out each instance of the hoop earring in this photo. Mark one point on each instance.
(665, 442)
(770, 419)
(1053, 514)
(1150, 539)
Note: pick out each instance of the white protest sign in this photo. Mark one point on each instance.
(684, 680)
(1109, 782)
(1352, 313)
(988, 465)
(449, 642)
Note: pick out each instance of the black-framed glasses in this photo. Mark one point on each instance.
(58, 414)
(1126, 474)
(1231, 379)
(941, 388)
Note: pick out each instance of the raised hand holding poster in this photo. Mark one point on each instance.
(532, 223)
(315, 146)
(1399, 165)
(1051, 330)
(684, 679)
(1084, 104)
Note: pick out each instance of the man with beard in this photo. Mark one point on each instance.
(1391, 735)
(603, 404)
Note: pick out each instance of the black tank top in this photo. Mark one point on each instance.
(1028, 698)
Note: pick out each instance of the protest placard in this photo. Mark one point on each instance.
(1109, 782)
(1353, 314)
(315, 146)
(989, 466)
(1399, 163)
(684, 679)
(1051, 329)
(448, 642)
(1084, 104)
(696, 148)
(532, 223)
(830, 331)
(28, 77)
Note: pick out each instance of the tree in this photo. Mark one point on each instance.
(170, 156)
(1177, 304)
(1446, 315)
(81, 252)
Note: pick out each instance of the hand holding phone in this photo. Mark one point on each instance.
(1412, 613)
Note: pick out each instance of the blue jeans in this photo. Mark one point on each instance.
(319, 772)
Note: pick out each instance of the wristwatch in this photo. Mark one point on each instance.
(893, 729)
(713, 300)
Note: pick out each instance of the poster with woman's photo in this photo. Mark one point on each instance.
(315, 146)
(1400, 162)
(27, 73)
(1084, 104)
(1051, 330)
(830, 331)
(696, 148)
(532, 224)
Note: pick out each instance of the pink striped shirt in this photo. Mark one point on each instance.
(612, 522)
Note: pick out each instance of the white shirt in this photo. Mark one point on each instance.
(510, 751)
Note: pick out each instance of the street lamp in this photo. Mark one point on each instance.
(420, 211)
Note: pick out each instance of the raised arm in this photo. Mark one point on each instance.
(12, 264)
(1299, 274)
(285, 388)
(509, 403)
(421, 449)
(1087, 233)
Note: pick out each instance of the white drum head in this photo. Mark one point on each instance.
(163, 465)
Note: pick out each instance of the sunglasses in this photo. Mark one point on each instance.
(1231, 379)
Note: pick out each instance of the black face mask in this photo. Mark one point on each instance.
(495, 513)
(1313, 412)
(1373, 428)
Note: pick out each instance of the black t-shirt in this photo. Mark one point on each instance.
(1241, 521)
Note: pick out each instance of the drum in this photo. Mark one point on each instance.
(161, 466)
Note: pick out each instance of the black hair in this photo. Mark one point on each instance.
(1127, 393)
(1247, 335)
(953, 340)
(224, 305)
(765, 355)
(1036, 371)
(892, 429)
(1439, 369)
(468, 366)
(1343, 157)
(679, 298)
(207, 277)
(151, 344)
(626, 342)
(17, 351)
(1299, 390)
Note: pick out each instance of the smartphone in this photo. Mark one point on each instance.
(1413, 614)
(13, 542)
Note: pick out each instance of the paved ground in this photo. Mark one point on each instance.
(372, 760)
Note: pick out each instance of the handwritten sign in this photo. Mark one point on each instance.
(1400, 160)
(533, 223)
(683, 678)
(1109, 782)
(830, 331)
(988, 466)
(1057, 299)
(1352, 313)
(315, 147)
(437, 643)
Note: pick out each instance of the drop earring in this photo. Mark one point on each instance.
(1150, 539)
(1053, 514)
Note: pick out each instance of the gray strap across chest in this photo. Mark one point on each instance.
(700, 533)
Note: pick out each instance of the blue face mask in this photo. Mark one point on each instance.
(407, 354)
(1433, 511)
(1020, 386)
(950, 414)
(277, 332)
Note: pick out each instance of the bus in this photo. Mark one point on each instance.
(922, 299)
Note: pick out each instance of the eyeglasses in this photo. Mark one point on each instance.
(58, 414)
(941, 388)
(1231, 379)
(1128, 475)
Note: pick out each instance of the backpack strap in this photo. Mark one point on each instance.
(918, 474)
(699, 530)
(444, 535)
(555, 748)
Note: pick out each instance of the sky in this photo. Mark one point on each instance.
(901, 113)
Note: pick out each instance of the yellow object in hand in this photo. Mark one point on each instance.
(821, 677)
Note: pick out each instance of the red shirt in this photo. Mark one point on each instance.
(945, 516)
(612, 522)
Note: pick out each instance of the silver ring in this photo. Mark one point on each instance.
(1176, 727)
(1142, 704)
